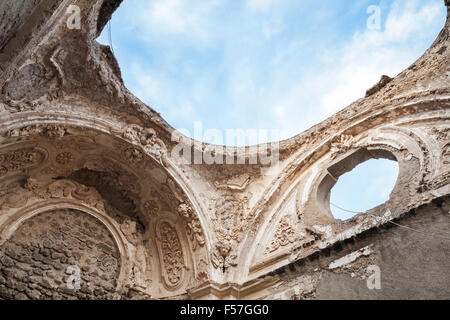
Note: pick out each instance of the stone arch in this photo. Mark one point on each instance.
(145, 176)
(53, 127)
(303, 207)
(61, 195)
(46, 241)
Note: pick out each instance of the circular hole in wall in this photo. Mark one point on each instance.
(368, 185)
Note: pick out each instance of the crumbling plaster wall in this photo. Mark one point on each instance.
(70, 130)
(413, 265)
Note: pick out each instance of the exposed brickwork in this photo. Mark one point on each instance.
(34, 261)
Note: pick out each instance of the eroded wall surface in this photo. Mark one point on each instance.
(412, 264)
(37, 261)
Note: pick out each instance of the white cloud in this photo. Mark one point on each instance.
(260, 4)
(252, 72)
(383, 176)
(171, 16)
(176, 17)
(158, 89)
(369, 55)
(146, 87)
(272, 28)
(373, 53)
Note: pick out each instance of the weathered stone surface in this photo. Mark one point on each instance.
(45, 273)
(412, 264)
(29, 82)
(12, 13)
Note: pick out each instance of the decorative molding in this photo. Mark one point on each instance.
(284, 235)
(148, 140)
(230, 221)
(17, 196)
(133, 155)
(64, 158)
(342, 144)
(49, 131)
(238, 183)
(222, 256)
(140, 276)
(195, 233)
(151, 208)
(171, 255)
(19, 106)
(18, 160)
(194, 230)
(446, 154)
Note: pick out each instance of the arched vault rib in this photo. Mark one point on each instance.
(129, 171)
(311, 228)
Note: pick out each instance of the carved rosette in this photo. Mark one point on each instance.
(151, 208)
(64, 158)
(171, 253)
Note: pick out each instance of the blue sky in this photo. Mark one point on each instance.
(264, 64)
(365, 187)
